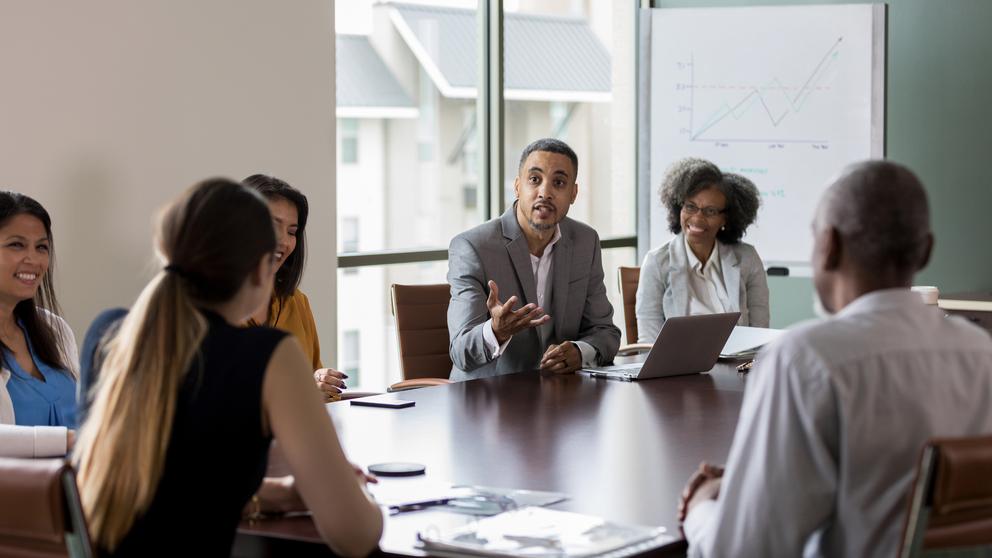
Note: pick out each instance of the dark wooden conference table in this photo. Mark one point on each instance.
(620, 450)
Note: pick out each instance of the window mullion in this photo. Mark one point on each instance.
(489, 106)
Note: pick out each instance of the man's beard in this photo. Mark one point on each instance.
(540, 226)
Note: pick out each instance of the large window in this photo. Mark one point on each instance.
(560, 81)
(411, 162)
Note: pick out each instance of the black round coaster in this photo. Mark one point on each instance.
(397, 469)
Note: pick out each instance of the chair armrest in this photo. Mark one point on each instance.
(634, 349)
(417, 383)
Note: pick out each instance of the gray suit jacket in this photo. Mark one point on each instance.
(497, 250)
(663, 290)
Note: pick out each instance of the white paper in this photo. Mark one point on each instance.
(540, 533)
(745, 340)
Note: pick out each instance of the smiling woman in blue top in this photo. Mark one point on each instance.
(37, 349)
(705, 269)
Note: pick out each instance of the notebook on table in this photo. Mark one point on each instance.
(542, 533)
(685, 345)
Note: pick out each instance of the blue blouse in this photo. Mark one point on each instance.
(51, 402)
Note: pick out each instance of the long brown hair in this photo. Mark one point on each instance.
(45, 338)
(289, 275)
(212, 237)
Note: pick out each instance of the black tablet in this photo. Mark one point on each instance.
(387, 401)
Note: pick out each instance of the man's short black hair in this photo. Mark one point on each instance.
(550, 145)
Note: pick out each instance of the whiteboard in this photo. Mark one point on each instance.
(786, 96)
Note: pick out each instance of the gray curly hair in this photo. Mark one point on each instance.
(896, 239)
(688, 176)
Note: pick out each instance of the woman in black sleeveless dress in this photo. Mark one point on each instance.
(180, 420)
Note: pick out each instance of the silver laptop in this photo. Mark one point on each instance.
(685, 345)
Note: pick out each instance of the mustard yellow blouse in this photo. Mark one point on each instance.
(294, 315)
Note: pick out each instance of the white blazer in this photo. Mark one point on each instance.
(663, 289)
(37, 441)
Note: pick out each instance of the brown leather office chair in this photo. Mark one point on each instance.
(40, 512)
(421, 313)
(627, 280)
(950, 509)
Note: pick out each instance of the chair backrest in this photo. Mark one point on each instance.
(627, 279)
(421, 313)
(40, 512)
(950, 509)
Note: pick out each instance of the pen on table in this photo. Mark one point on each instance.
(414, 506)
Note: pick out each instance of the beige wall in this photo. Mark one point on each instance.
(109, 108)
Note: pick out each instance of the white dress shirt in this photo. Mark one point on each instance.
(834, 417)
(707, 293)
(541, 265)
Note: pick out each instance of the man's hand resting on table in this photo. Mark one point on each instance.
(562, 359)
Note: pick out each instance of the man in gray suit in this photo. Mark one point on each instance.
(535, 256)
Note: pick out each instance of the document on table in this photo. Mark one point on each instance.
(744, 342)
(408, 495)
(542, 533)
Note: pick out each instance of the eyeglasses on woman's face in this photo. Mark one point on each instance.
(690, 208)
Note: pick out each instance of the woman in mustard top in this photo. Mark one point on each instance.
(290, 308)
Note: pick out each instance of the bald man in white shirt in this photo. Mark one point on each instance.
(836, 412)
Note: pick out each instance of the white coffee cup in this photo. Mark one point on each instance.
(928, 294)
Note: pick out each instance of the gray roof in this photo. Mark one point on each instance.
(364, 82)
(546, 57)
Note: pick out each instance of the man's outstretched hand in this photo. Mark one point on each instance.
(506, 321)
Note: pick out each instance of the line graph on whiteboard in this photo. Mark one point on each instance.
(755, 112)
(775, 100)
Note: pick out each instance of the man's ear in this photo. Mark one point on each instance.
(575, 193)
(833, 249)
(926, 253)
(516, 185)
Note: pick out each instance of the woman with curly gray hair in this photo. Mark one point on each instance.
(705, 269)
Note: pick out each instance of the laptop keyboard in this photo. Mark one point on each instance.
(634, 366)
